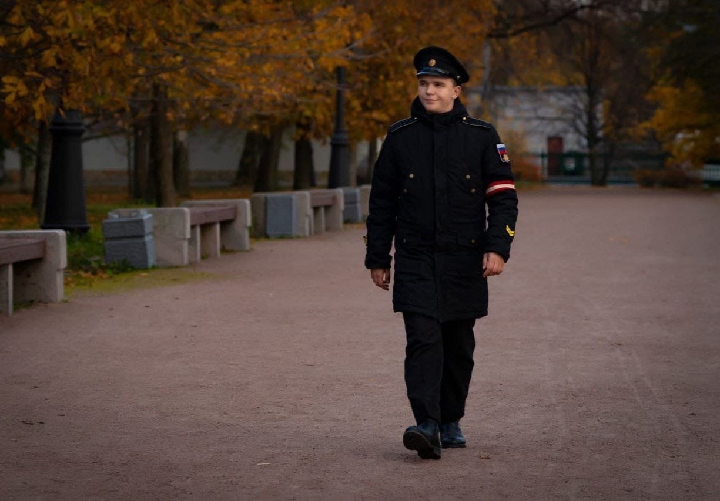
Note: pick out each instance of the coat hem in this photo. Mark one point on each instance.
(444, 318)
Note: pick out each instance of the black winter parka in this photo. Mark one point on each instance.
(432, 180)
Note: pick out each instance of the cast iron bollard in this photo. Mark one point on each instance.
(65, 205)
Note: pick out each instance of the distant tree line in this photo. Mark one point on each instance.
(155, 70)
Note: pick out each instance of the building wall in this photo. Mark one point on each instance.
(532, 113)
(535, 113)
(213, 155)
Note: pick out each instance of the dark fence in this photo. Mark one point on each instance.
(574, 167)
(710, 174)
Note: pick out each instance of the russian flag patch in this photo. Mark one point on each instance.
(502, 151)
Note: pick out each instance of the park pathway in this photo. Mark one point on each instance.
(280, 376)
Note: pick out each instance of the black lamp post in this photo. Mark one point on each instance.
(65, 204)
(339, 175)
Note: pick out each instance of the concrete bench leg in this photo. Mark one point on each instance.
(194, 248)
(365, 200)
(210, 240)
(6, 289)
(304, 214)
(40, 279)
(171, 235)
(318, 220)
(235, 235)
(334, 216)
(257, 205)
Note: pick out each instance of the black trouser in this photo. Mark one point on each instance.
(438, 366)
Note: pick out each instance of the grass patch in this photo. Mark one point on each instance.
(87, 272)
(86, 265)
(82, 283)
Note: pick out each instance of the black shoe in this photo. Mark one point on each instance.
(451, 436)
(425, 439)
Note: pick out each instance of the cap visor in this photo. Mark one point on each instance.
(437, 72)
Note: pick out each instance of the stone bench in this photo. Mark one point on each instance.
(32, 264)
(283, 214)
(297, 213)
(183, 235)
(328, 209)
(205, 238)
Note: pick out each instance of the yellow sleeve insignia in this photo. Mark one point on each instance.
(509, 231)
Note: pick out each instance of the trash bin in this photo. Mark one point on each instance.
(128, 237)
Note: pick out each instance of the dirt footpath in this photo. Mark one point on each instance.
(597, 372)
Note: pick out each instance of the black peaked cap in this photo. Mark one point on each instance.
(439, 62)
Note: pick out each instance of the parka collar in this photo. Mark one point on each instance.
(458, 111)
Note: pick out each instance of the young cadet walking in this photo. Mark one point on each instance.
(436, 173)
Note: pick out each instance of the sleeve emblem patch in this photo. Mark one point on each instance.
(509, 231)
(502, 151)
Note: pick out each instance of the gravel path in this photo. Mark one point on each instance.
(597, 372)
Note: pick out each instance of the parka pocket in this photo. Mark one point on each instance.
(472, 240)
(464, 188)
(410, 242)
(468, 257)
(407, 239)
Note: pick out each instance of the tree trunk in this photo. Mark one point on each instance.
(593, 137)
(130, 178)
(313, 177)
(250, 159)
(181, 167)
(161, 149)
(353, 164)
(27, 158)
(303, 175)
(607, 161)
(42, 169)
(140, 162)
(594, 171)
(2, 162)
(372, 157)
(267, 171)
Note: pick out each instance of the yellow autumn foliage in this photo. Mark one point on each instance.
(381, 76)
(688, 129)
(250, 63)
(226, 60)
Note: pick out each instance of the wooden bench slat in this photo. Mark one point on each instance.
(13, 250)
(320, 199)
(204, 215)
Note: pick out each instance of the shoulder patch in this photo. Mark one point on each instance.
(402, 123)
(476, 122)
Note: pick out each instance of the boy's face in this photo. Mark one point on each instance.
(437, 94)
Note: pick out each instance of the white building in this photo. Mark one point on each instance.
(535, 113)
(538, 116)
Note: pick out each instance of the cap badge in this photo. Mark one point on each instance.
(432, 62)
